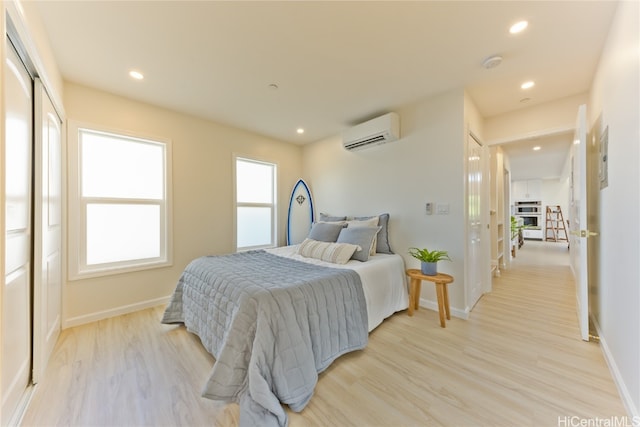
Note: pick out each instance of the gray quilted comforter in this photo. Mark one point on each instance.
(272, 324)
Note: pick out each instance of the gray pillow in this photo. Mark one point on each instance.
(325, 231)
(328, 218)
(361, 236)
(382, 246)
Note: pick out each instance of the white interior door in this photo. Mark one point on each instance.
(15, 369)
(47, 274)
(475, 235)
(578, 222)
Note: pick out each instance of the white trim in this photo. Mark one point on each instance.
(455, 312)
(118, 311)
(273, 205)
(23, 405)
(625, 395)
(558, 130)
(77, 266)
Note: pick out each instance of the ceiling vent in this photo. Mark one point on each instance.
(376, 131)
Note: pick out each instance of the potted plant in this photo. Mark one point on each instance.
(516, 227)
(429, 259)
(516, 233)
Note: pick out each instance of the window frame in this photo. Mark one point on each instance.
(77, 216)
(273, 205)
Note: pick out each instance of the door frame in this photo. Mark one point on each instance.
(579, 232)
(595, 139)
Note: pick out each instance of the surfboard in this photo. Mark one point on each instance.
(300, 217)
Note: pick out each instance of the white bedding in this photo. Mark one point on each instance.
(383, 280)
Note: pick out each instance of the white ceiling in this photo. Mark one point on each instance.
(335, 63)
(546, 163)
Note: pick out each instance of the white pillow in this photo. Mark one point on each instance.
(370, 222)
(337, 253)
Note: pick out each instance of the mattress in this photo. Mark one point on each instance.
(383, 276)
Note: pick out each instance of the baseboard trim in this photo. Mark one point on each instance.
(118, 311)
(627, 401)
(455, 312)
(23, 405)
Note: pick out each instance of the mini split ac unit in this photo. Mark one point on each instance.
(373, 132)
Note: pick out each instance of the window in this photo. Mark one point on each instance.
(119, 202)
(255, 204)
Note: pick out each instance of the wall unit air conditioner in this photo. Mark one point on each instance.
(373, 132)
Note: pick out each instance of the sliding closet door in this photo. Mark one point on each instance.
(16, 295)
(47, 273)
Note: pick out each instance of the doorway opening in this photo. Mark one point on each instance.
(552, 194)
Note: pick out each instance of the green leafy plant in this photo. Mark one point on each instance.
(515, 227)
(426, 255)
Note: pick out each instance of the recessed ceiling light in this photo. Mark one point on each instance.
(136, 75)
(300, 131)
(537, 148)
(527, 85)
(518, 27)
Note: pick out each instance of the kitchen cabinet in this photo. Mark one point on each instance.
(532, 233)
(527, 190)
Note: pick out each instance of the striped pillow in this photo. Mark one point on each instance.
(337, 253)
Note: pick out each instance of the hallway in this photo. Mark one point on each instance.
(540, 253)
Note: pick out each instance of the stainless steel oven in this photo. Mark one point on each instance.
(528, 208)
(530, 212)
(530, 221)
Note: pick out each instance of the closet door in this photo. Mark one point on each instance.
(16, 295)
(47, 272)
(477, 241)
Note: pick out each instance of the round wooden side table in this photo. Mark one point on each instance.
(441, 281)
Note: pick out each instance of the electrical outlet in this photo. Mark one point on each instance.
(429, 208)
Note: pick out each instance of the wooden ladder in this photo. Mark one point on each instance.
(555, 225)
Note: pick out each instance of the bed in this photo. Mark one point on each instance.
(274, 319)
(383, 281)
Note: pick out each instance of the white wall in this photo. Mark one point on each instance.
(614, 94)
(556, 192)
(474, 122)
(425, 165)
(202, 195)
(545, 119)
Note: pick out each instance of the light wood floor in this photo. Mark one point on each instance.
(518, 361)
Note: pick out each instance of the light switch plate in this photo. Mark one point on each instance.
(442, 209)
